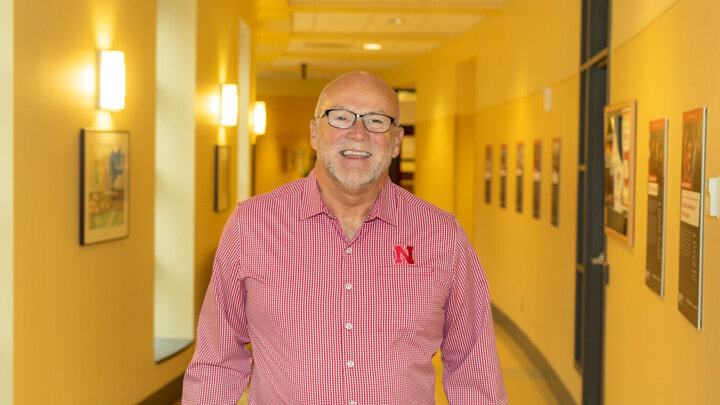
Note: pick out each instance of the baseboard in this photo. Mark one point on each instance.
(536, 357)
(167, 395)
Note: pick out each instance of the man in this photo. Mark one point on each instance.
(345, 284)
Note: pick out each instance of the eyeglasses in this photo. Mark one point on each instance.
(344, 119)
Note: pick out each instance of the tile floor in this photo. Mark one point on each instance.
(523, 382)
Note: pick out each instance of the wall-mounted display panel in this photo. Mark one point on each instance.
(619, 129)
(692, 190)
(656, 190)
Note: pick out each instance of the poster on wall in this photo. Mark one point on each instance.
(692, 190)
(536, 175)
(619, 130)
(555, 182)
(488, 172)
(104, 168)
(503, 175)
(657, 166)
(519, 171)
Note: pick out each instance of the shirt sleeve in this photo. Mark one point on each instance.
(220, 368)
(471, 369)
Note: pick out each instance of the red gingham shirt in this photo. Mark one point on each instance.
(339, 321)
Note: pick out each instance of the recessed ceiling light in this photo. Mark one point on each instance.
(397, 20)
(372, 47)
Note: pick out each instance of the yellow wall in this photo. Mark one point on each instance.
(465, 144)
(217, 37)
(83, 315)
(670, 65)
(518, 52)
(665, 55)
(283, 154)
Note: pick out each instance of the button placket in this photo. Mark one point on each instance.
(348, 302)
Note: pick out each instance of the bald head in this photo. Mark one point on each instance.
(357, 85)
(351, 159)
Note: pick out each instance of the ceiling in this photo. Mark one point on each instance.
(328, 36)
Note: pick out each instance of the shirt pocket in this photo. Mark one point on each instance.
(405, 297)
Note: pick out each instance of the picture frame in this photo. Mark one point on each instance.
(620, 128)
(222, 177)
(104, 185)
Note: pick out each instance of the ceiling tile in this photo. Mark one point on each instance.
(383, 23)
(449, 23)
(341, 22)
(303, 22)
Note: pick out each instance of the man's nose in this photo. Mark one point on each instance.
(357, 130)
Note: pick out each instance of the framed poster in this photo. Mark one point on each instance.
(104, 185)
(655, 246)
(503, 175)
(488, 172)
(619, 130)
(519, 172)
(222, 177)
(555, 181)
(536, 176)
(692, 192)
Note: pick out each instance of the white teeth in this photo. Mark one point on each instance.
(355, 153)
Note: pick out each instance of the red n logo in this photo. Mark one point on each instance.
(402, 255)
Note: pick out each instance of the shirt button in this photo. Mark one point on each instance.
(348, 326)
(352, 403)
(348, 250)
(348, 286)
(350, 364)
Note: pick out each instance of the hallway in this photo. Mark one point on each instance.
(513, 106)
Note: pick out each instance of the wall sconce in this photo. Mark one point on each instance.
(229, 105)
(259, 117)
(111, 80)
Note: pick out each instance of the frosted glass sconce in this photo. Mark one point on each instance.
(259, 117)
(229, 105)
(111, 80)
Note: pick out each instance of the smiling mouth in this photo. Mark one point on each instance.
(354, 153)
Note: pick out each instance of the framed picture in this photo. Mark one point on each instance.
(555, 181)
(104, 185)
(503, 174)
(619, 130)
(692, 215)
(222, 177)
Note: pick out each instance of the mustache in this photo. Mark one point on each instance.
(354, 146)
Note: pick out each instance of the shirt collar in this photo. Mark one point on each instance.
(311, 203)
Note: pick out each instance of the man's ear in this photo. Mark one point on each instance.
(398, 135)
(313, 133)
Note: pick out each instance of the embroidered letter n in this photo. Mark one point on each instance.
(402, 255)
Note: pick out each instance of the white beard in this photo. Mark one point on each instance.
(353, 178)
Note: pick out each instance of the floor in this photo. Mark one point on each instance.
(523, 382)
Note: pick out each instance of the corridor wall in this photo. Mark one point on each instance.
(518, 52)
(669, 62)
(665, 55)
(83, 314)
(284, 153)
(83, 327)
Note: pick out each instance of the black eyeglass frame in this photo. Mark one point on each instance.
(356, 116)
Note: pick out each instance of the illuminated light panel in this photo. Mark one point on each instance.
(111, 80)
(259, 117)
(229, 105)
